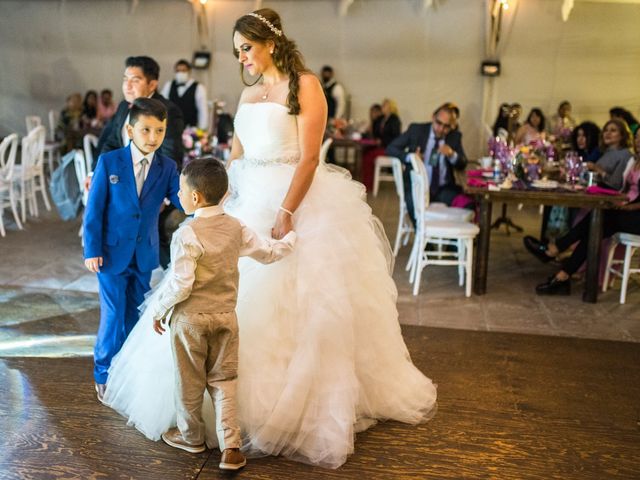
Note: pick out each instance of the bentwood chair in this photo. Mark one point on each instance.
(457, 235)
(8, 197)
(631, 243)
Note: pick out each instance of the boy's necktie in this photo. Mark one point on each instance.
(141, 174)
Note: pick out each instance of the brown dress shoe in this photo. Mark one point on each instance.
(232, 459)
(174, 438)
(101, 389)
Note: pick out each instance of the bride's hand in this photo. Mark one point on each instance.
(284, 224)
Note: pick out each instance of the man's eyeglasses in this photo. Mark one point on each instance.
(444, 125)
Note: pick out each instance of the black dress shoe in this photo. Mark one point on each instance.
(101, 388)
(537, 248)
(553, 286)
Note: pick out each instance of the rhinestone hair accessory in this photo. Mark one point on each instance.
(275, 30)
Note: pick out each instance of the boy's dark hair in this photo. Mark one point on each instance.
(150, 68)
(149, 107)
(207, 176)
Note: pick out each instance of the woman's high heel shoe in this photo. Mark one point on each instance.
(537, 248)
(553, 286)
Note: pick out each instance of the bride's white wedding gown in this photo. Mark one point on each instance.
(321, 352)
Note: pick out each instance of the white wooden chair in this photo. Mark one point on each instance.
(382, 162)
(51, 146)
(631, 243)
(30, 173)
(8, 199)
(31, 122)
(405, 227)
(434, 211)
(80, 165)
(458, 235)
(89, 142)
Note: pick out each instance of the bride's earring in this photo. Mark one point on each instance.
(271, 51)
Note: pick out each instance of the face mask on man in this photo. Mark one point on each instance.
(182, 77)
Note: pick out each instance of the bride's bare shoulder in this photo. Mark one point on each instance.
(247, 94)
(308, 79)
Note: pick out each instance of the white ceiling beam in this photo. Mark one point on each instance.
(343, 9)
(637, 2)
(567, 5)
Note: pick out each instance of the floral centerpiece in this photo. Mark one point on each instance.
(525, 162)
(532, 158)
(195, 141)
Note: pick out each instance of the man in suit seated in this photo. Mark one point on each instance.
(140, 80)
(439, 145)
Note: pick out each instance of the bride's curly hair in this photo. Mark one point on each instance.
(286, 56)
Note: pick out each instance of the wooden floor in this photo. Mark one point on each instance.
(510, 406)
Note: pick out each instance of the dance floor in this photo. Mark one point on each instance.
(528, 387)
(510, 407)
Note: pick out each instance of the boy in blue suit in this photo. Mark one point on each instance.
(127, 193)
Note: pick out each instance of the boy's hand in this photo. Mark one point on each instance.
(93, 264)
(158, 326)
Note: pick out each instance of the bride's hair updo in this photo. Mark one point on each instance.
(264, 25)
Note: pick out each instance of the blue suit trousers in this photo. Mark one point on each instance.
(120, 296)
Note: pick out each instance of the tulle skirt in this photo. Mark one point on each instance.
(321, 352)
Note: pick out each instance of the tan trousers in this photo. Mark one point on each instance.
(205, 350)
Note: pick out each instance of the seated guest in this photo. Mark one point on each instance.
(69, 123)
(625, 219)
(533, 128)
(616, 143)
(90, 110)
(501, 125)
(439, 144)
(388, 126)
(106, 107)
(584, 140)
(375, 116)
(385, 129)
(562, 122)
(619, 113)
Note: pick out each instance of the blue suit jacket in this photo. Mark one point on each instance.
(117, 223)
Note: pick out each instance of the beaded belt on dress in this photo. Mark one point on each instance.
(263, 162)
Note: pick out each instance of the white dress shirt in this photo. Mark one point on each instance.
(137, 156)
(200, 98)
(186, 249)
(124, 133)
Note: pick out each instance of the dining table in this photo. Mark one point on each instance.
(352, 149)
(487, 192)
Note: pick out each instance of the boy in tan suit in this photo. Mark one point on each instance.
(202, 292)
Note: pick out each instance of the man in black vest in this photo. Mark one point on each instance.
(189, 95)
(333, 91)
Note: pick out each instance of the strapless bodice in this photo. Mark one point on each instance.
(268, 133)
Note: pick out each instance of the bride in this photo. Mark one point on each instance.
(321, 352)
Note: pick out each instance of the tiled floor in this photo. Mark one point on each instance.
(46, 259)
